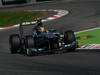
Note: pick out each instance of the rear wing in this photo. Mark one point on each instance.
(31, 23)
(21, 25)
(36, 22)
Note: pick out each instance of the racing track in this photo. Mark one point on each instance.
(83, 15)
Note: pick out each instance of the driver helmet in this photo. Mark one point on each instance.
(41, 28)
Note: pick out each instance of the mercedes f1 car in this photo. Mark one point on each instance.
(42, 40)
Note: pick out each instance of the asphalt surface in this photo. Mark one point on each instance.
(83, 15)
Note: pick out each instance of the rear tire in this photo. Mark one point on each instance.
(69, 38)
(54, 44)
(29, 43)
(14, 42)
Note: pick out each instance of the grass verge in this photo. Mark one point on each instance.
(15, 17)
(89, 37)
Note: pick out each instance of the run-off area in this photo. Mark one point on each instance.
(89, 38)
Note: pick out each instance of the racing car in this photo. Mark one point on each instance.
(42, 40)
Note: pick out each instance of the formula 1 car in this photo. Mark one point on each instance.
(42, 41)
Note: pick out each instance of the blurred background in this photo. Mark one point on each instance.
(10, 2)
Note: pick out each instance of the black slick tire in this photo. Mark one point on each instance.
(14, 42)
(29, 43)
(69, 38)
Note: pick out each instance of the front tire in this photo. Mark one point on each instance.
(69, 38)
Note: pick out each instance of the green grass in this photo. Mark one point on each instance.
(15, 17)
(94, 40)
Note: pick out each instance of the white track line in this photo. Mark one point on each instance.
(87, 30)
